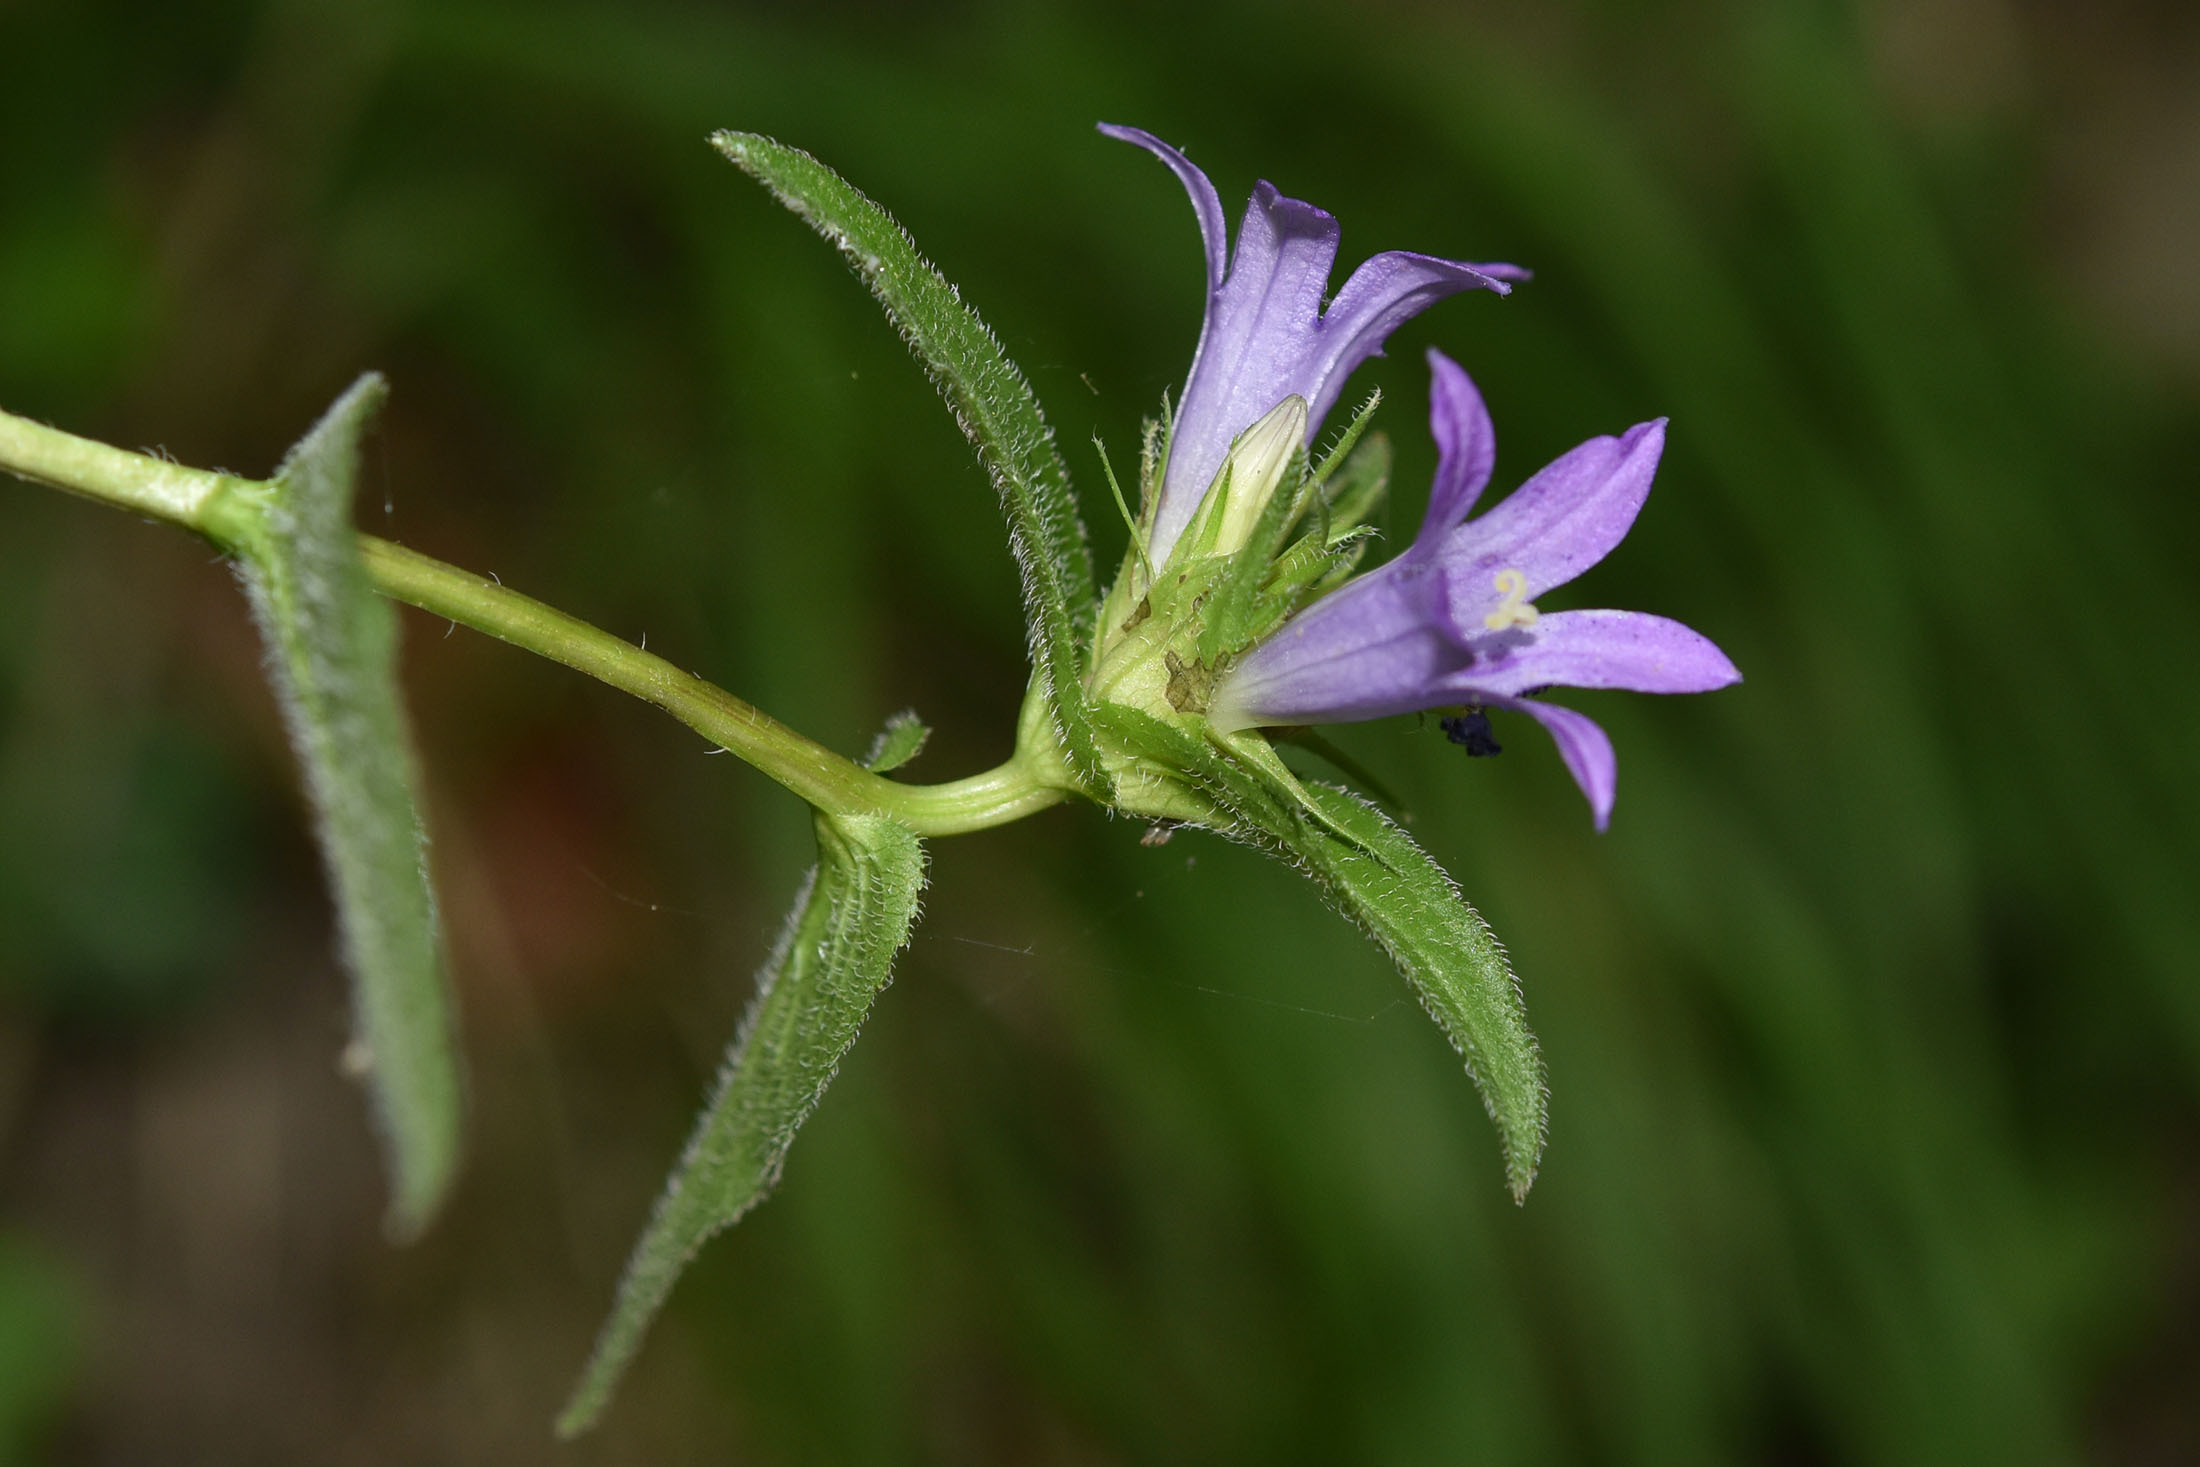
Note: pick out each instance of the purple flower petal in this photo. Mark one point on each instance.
(1585, 747)
(1466, 450)
(1372, 648)
(1593, 649)
(1265, 336)
(1416, 633)
(1206, 203)
(1261, 327)
(1387, 291)
(1555, 526)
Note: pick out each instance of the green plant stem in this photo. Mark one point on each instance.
(811, 770)
(149, 485)
(227, 511)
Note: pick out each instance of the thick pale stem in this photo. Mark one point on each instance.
(225, 510)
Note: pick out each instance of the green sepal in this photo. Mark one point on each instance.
(1340, 452)
(1373, 873)
(332, 657)
(1345, 559)
(1135, 577)
(993, 404)
(1353, 494)
(1153, 457)
(1138, 524)
(900, 741)
(1358, 484)
(835, 955)
(1315, 560)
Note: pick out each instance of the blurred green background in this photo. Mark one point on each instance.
(1873, 1026)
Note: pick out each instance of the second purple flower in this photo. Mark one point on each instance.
(1452, 622)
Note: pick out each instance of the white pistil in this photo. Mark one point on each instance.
(1516, 610)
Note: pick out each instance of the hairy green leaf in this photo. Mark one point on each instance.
(900, 741)
(1375, 874)
(991, 401)
(1387, 884)
(834, 956)
(332, 656)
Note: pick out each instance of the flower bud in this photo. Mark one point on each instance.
(1248, 480)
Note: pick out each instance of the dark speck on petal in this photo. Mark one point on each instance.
(1471, 730)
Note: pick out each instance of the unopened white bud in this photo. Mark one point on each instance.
(1248, 479)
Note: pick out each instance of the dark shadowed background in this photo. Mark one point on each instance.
(1873, 1025)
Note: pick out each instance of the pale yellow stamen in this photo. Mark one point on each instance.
(1516, 610)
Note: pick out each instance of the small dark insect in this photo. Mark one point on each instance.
(1471, 731)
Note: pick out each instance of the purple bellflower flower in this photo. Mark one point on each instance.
(1451, 621)
(1266, 336)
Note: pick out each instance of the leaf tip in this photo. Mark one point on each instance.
(426, 1172)
(579, 1416)
(1520, 1176)
(738, 148)
(360, 401)
(1524, 1148)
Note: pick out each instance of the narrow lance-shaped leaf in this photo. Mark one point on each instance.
(1373, 873)
(834, 956)
(1387, 884)
(332, 655)
(992, 402)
